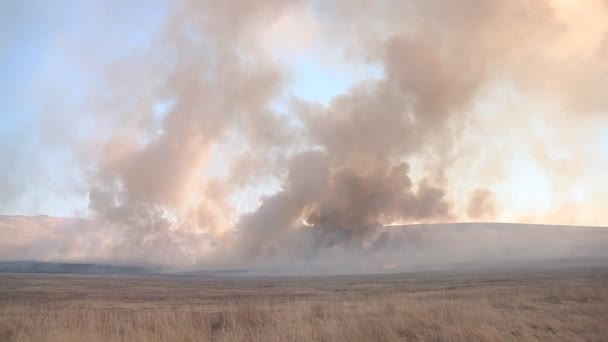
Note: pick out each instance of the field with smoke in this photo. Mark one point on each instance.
(474, 111)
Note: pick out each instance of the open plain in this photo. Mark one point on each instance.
(569, 304)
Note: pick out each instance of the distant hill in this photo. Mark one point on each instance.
(18, 232)
(488, 240)
(55, 267)
(25, 243)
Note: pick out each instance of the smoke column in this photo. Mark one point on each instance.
(193, 122)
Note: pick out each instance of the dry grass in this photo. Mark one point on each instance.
(568, 306)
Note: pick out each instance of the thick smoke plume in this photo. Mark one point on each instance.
(163, 184)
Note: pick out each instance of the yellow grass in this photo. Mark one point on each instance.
(423, 307)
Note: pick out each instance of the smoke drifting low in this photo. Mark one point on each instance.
(194, 123)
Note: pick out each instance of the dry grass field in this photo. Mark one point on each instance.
(515, 306)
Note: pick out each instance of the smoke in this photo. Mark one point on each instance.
(482, 204)
(194, 123)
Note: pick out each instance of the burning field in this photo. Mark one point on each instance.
(285, 170)
(454, 282)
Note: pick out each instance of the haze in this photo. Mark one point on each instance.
(295, 134)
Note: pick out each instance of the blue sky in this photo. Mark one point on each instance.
(42, 44)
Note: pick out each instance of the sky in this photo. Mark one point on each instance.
(42, 46)
(46, 50)
(244, 120)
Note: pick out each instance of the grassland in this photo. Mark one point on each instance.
(514, 306)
